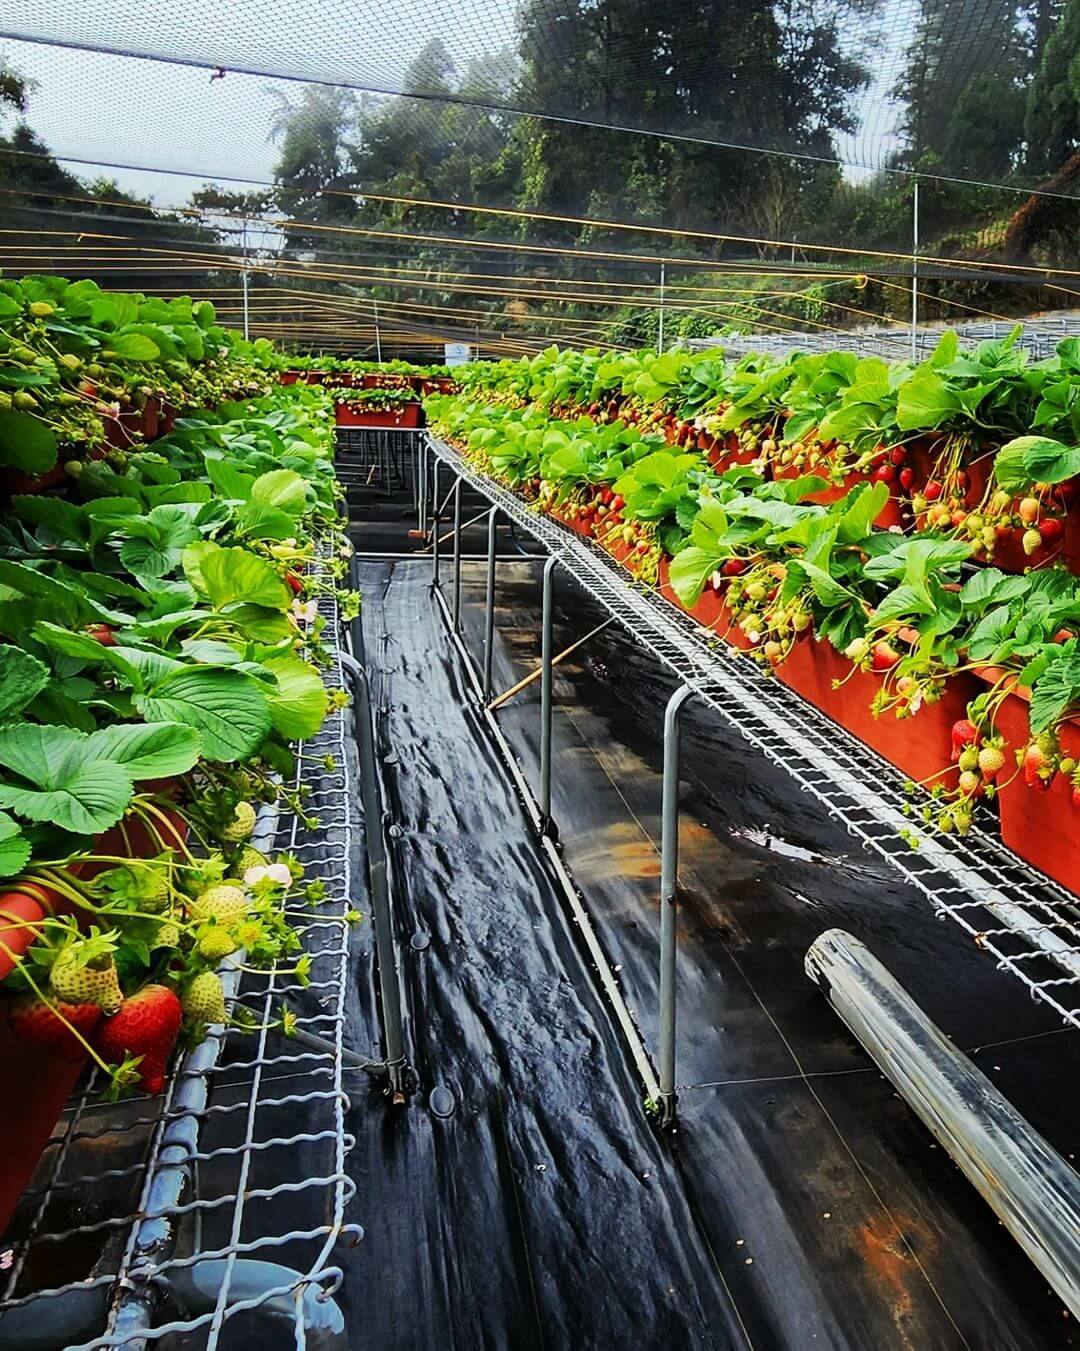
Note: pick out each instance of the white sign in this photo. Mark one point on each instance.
(458, 353)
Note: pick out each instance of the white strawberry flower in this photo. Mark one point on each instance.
(271, 872)
(304, 611)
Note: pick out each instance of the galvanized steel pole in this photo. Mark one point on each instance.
(435, 529)
(489, 620)
(915, 273)
(548, 590)
(457, 556)
(669, 881)
(1033, 1191)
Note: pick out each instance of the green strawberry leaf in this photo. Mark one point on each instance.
(26, 443)
(55, 776)
(228, 709)
(298, 704)
(15, 849)
(149, 750)
(22, 678)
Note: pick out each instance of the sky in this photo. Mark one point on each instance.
(145, 115)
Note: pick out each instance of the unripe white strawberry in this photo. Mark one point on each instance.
(225, 903)
(85, 973)
(204, 1000)
(991, 761)
(216, 943)
(242, 824)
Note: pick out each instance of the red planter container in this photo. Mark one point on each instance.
(37, 1085)
(920, 746)
(893, 513)
(724, 452)
(1040, 825)
(12, 481)
(355, 415)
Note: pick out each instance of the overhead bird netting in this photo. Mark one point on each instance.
(520, 173)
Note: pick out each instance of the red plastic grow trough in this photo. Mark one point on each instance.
(38, 1083)
(405, 415)
(1041, 825)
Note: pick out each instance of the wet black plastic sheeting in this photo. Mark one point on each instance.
(545, 1212)
(836, 1219)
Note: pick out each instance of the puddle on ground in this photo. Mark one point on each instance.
(778, 845)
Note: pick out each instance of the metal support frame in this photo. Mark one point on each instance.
(154, 1277)
(669, 900)
(398, 1072)
(489, 612)
(457, 556)
(548, 595)
(1025, 922)
(422, 490)
(435, 528)
(915, 272)
(1033, 1191)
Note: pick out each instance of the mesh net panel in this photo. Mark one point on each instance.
(466, 167)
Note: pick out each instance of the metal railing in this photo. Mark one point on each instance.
(1027, 923)
(223, 1200)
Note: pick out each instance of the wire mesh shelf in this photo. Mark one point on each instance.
(216, 1208)
(1026, 922)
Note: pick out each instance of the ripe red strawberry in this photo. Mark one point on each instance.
(898, 455)
(1051, 529)
(964, 733)
(102, 634)
(1076, 796)
(883, 656)
(146, 1026)
(932, 491)
(294, 582)
(733, 567)
(33, 1021)
(907, 478)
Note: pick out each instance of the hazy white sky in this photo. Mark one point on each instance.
(152, 114)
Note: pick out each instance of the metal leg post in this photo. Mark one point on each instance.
(669, 875)
(422, 521)
(435, 531)
(545, 696)
(489, 621)
(378, 881)
(457, 556)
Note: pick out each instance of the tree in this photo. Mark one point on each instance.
(962, 88)
(1052, 121)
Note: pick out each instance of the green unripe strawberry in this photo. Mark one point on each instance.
(41, 309)
(204, 1000)
(85, 973)
(250, 857)
(70, 360)
(22, 398)
(167, 936)
(216, 943)
(242, 824)
(225, 903)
